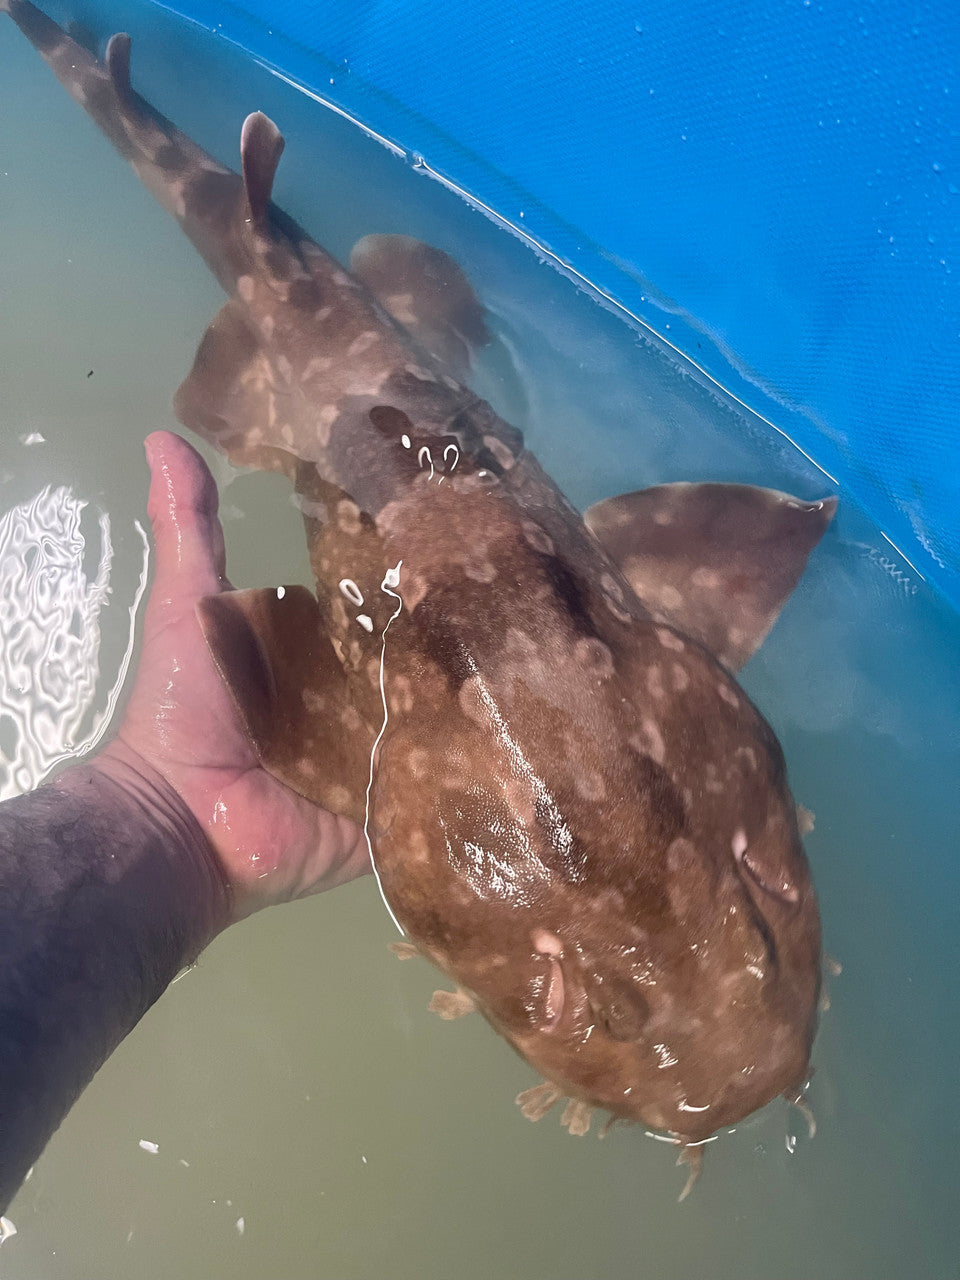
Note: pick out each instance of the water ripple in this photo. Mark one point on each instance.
(54, 587)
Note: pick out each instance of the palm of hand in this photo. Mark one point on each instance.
(273, 845)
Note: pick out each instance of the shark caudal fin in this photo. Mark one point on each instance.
(209, 201)
(716, 561)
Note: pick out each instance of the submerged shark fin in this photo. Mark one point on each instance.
(228, 397)
(261, 146)
(117, 58)
(426, 291)
(716, 561)
(280, 666)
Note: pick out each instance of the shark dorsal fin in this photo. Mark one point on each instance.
(715, 561)
(261, 145)
(427, 292)
(117, 58)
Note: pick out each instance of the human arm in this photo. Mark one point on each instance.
(121, 870)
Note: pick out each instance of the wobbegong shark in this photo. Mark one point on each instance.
(573, 809)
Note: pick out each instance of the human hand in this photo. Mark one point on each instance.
(181, 723)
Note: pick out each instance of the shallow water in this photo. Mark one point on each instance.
(294, 1081)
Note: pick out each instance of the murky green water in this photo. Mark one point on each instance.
(312, 1119)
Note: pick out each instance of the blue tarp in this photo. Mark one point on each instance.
(780, 176)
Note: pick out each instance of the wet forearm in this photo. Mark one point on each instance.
(107, 888)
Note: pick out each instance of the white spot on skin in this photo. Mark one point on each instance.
(266, 327)
(739, 843)
(728, 696)
(705, 578)
(315, 365)
(662, 517)
(369, 384)
(670, 640)
(400, 306)
(535, 537)
(362, 343)
(595, 656)
(655, 683)
(365, 622)
(145, 1145)
(405, 440)
(348, 517)
(324, 420)
(285, 368)
(417, 848)
(418, 762)
(499, 451)
(350, 719)
(649, 742)
(417, 371)
(485, 571)
(246, 288)
(338, 798)
(591, 786)
(678, 677)
(669, 596)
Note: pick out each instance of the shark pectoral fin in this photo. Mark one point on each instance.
(715, 561)
(293, 697)
(426, 291)
(261, 145)
(227, 397)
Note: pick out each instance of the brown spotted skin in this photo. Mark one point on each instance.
(575, 811)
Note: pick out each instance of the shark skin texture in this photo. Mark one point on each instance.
(573, 809)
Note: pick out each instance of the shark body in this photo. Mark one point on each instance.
(574, 810)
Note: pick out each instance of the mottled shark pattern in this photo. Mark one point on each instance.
(573, 809)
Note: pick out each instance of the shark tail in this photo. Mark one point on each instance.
(205, 197)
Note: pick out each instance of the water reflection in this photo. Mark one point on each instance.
(55, 566)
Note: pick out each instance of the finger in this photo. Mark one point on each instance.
(182, 506)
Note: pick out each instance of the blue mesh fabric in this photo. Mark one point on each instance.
(786, 171)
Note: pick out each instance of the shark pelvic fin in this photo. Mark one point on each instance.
(427, 292)
(228, 396)
(716, 561)
(261, 145)
(279, 664)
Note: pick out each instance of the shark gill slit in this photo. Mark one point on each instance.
(391, 579)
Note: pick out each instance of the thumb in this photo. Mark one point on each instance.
(191, 560)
